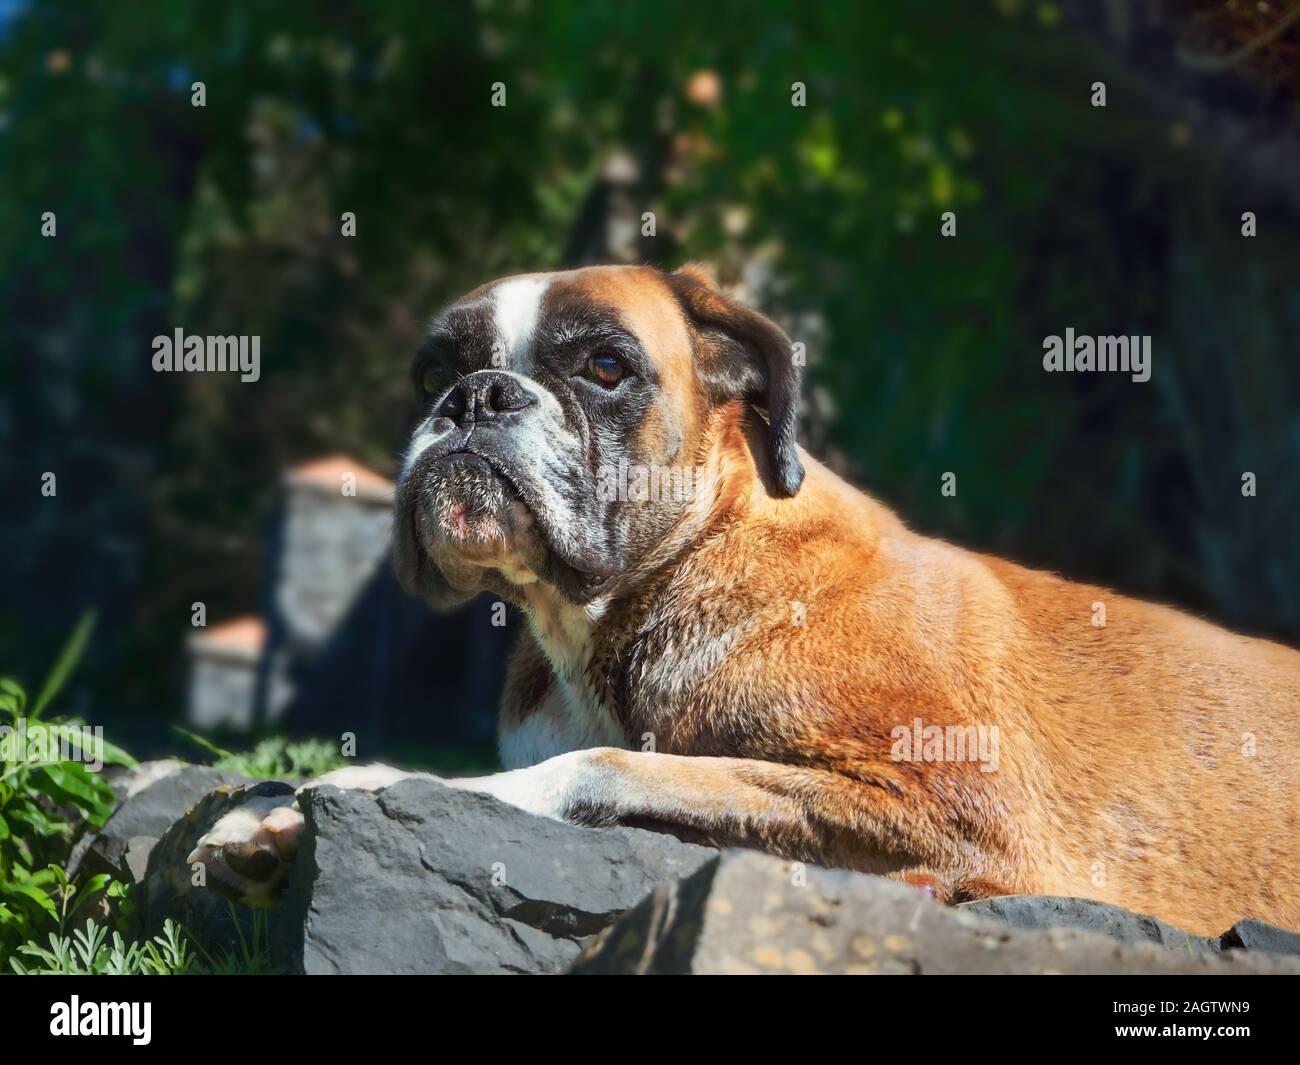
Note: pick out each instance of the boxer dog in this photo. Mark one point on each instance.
(771, 659)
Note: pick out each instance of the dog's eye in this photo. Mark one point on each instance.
(431, 380)
(605, 369)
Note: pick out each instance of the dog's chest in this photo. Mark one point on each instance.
(566, 720)
(573, 715)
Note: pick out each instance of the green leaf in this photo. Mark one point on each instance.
(37, 896)
(76, 739)
(114, 755)
(32, 815)
(26, 876)
(206, 744)
(13, 690)
(71, 782)
(96, 883)
(66, 662)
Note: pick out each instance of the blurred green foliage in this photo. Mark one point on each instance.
(45, 799)
(925, 352)
(274, 758)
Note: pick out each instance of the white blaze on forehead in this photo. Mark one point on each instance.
(516, 306)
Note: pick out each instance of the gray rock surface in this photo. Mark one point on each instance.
(1049, 911)
(426, 879)
(152, 796)
(419, 879)
(1256, 935)
(423, 878)
(745, 912)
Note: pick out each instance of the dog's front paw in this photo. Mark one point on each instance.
(247, 853)
(245, 856)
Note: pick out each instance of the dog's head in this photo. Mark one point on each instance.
(563, 416)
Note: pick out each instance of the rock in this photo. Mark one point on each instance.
(1256, 935)
(420, 878)
(1044, 911)
(744, 912)
(152, 796)
(127, 780)
(428, 879)
(1049, 911)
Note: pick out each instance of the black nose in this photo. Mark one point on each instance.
(485, 396)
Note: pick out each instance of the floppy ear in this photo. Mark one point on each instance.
(743, 355)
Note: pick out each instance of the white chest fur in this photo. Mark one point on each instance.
(573, 716)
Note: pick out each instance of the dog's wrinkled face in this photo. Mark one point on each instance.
(562, 415)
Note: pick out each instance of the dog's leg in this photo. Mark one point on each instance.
(806, 814)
